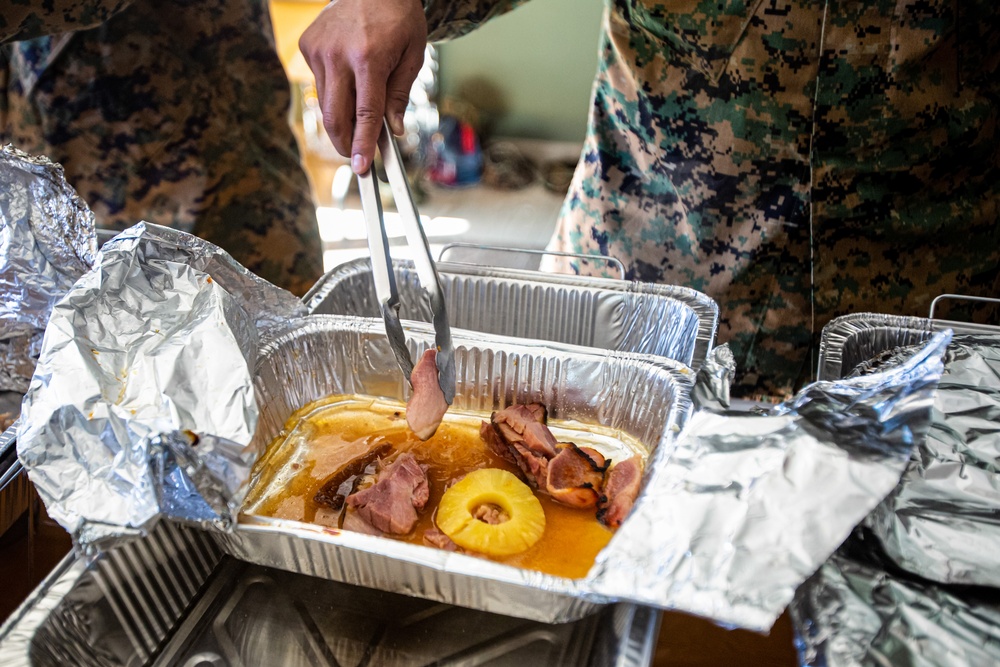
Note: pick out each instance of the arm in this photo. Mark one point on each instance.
(448, 19)
(365, 55)
(28, 19)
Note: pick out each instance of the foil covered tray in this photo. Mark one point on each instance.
(851, 340)
(942, 521)
(173, 599)
(917, 583)
(664, 320)
(856, 611)
(645, 397)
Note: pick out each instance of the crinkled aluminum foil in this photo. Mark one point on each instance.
(47, 241)
(142, 401)
(747, 506)
(854, 612)
(943, 520)
(714, 380)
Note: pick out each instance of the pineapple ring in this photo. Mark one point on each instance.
(491, 486)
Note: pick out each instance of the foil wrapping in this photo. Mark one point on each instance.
(142, 402)
(745, 507)
(856, 611)
(47, 241)
(942, 522)
(714, 380)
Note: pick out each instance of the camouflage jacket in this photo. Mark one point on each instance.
(794, 159)
(172, 112)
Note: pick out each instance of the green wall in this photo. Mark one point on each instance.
(535, 65)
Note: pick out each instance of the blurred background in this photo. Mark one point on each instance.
(496, 122)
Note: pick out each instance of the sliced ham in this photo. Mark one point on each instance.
(576, 476)
(354, 523)
(391, 504)
(524, 422)
(508, 445)
(427, 404)
(436, 538)
(491, 514)
(539, 412)
(518, 435)
(496, 444)
(533, 465)
(620, 491)
(341, 484)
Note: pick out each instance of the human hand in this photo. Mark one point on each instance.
(365, 55)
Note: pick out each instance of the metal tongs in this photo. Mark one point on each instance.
(385, 279)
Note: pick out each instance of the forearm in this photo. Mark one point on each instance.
(447, 19)
(33, 18)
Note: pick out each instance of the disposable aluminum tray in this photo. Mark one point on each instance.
(645, 397)
(173, 599)
(664, 320)
(15, 489)
(851, 340)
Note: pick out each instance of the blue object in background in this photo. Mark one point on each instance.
(455, 157)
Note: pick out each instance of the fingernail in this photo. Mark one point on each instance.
(358, 163)
(397, 124)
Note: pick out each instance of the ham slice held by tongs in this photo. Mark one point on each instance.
(430, 399)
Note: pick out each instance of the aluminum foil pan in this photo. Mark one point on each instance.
(645, 397)
(664, 320)
(15, 491)
(855, 612)
(729, 521)
(851, 340)
(172, 599)
(47, 241)
(942, 521)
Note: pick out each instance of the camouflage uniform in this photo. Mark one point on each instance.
(794, 159)
(175, 113)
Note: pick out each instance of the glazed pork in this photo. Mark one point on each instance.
(576, 476)
(620, 491)
(518, 434)
(571, 475)
(391, 504)
(427, 405)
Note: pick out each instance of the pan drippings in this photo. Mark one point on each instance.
(332, 448)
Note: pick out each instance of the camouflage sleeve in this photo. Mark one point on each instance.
(448, 19)
(26, 19)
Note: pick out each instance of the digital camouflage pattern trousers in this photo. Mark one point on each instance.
(174, 113)
(794, 159)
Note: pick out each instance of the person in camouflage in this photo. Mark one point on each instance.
(174, 113)
(794, 159)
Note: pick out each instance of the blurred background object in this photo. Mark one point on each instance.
(510, 84)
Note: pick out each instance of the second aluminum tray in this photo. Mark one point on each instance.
(173, 599)
(663, 320)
